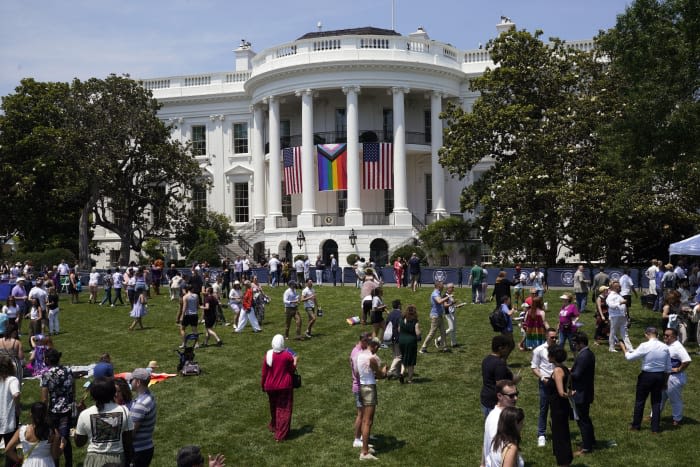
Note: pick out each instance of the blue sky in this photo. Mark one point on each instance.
(57, 40)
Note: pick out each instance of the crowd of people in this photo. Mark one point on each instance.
(563, 390)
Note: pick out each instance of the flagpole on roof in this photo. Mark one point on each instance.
(393, 15)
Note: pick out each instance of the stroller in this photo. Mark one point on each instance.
(187, 366)
(259, 302)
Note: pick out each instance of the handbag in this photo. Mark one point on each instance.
(389, 331)
(296, 380)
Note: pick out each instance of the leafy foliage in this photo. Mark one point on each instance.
(406, 251)
(51, 257)
(441, 236)
(206, 248)
(535, 123)
(187, 228)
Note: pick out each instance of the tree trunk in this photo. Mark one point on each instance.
(84, 237)
(124, 251)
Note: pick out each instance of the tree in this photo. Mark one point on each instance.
(138, 178)
(535, 122)
(38, 167)
(654, 73)
(442, 236)
(187, 228)
(103, 153)
(206, 248)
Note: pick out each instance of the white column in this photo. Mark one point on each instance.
(215, 164)
(274, 201)
(437, 172)
(308, 172)
(258, 146)
(353, 214)
(402, 216)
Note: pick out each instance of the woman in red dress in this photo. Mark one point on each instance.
(277, 370)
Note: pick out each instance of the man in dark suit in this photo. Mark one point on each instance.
(583, 376)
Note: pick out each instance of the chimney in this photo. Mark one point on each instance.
(506, 24)
(244, 56)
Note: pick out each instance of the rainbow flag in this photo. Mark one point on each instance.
(332, 167)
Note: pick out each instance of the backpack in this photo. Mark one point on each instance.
(498, 319)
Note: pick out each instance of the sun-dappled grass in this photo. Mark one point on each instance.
(436, 421)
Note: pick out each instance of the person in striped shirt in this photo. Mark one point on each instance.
(143, 414)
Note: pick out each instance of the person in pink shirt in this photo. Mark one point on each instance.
(568, 317)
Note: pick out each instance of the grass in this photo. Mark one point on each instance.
(436, 421)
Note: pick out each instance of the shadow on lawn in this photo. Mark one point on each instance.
(299, 432)
(386, 443)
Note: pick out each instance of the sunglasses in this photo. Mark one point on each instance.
(512, 395)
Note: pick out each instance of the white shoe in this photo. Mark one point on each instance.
(541, 441)
(368, 457)
(358, 444)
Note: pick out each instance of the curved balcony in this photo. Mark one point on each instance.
(366, 136)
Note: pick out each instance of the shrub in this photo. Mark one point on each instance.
(48, 258)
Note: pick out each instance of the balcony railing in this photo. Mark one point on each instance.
(328, 219)
(284, 223)
(375, 218)
(366, 136)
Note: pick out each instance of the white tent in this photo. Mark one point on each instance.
(689, 246)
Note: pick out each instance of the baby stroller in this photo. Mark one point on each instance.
(187, 366)
(259, 302)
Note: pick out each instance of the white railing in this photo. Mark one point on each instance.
(237, 77)
(156, 84)
(201, 80)
(327, 44)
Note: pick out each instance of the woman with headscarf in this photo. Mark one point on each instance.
(278, 369)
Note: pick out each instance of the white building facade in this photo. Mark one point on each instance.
(347, 87)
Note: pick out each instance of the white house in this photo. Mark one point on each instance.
(349, 90)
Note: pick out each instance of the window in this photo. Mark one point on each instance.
(342, 203)
(286, 204)
(240, 202)
(388, 202)
(427, 126)
(240, 138)
(341, 125)
(388, 125)
(199, 140)
(285, 134)
(114, 257)
(199, 198)
(428, 193)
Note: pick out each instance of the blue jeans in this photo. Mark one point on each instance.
(581, 301)
(544, 409)
(476, 292)
(566, 336)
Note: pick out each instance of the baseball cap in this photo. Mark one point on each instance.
(141, 374)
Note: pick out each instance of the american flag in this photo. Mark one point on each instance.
(292, 170)
(377, 166)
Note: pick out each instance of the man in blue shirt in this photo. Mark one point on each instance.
(437, 323)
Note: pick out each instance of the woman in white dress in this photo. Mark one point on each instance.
(40, 445)
(505, 450)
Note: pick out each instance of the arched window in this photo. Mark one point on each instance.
(379, 252)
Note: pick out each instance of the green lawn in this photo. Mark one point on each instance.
(436, 421)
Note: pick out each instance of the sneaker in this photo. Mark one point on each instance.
(368, 457)
(446, 350)
(220, 343)
(358, 444)
(383, 346)
(112, 305)
(541, 441)
(423, 350)
(308, 335)
(612, 350)
(438, 341)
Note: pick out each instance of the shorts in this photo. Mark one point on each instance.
(415, 277)
(189, 320)
(368, 395)
(311, 312)
(209, 321)
(290, 312)
(358, 402)
(376, 317)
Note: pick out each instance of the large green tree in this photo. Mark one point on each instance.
(534, 123)
(110, 151)
(38, 164)
(654, 137)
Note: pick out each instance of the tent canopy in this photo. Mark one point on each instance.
(689, 246)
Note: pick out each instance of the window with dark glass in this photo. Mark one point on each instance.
(388, 202)
(199, 140)
(240, 202)
(428, 193)
(388, 125)
(199, 198)
(286, 204)
(342, 203)
(240, 138)
(427, 125)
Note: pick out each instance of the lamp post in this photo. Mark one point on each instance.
(353, 238)
(300, 238)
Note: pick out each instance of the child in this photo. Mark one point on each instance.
(139, 310)
(308, 296)
(40, 344)
(35, 317)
